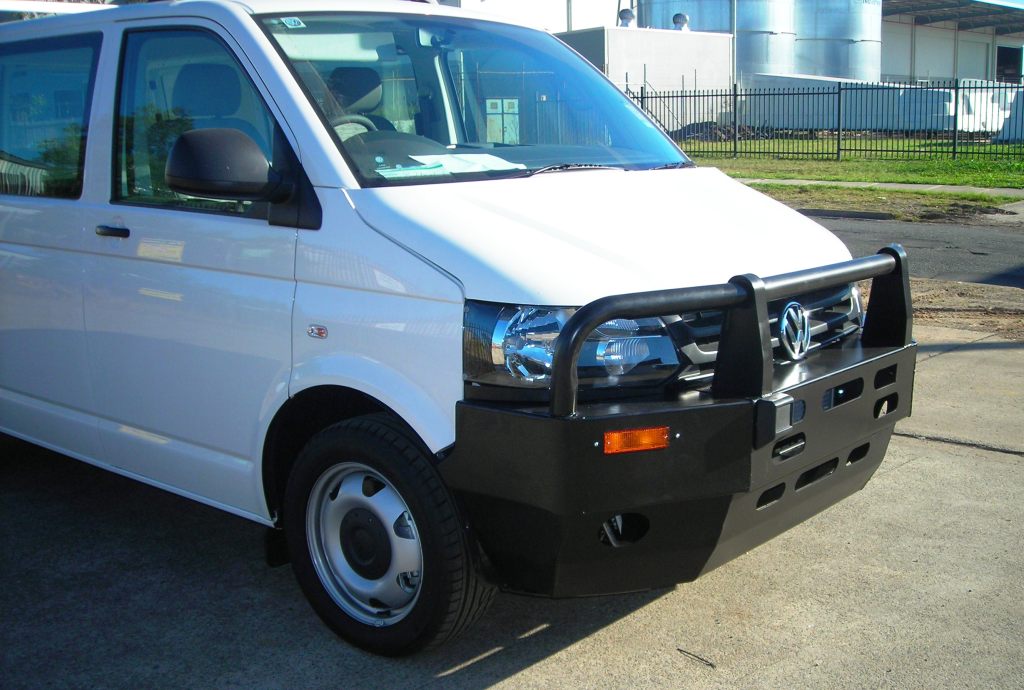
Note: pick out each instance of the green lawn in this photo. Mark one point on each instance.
(822, 146)
(908, 206)
(972, 171)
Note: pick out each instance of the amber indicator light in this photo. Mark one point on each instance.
(633, 440)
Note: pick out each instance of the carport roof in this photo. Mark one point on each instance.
(1005, 16)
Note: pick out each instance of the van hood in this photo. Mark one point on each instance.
(571, 237)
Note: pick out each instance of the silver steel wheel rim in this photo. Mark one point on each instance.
(351, 493)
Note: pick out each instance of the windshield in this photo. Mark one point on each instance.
(424, 99)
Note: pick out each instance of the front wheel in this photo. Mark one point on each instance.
(376, 542)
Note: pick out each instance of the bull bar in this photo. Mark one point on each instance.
(556, 516)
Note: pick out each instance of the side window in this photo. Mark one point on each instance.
(45, 90)
(173, 81)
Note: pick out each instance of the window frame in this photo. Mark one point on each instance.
(277, 131)
(87, 39)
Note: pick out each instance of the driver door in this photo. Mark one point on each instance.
(188, 301)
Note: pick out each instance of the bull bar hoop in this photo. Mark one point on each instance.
(745, 365)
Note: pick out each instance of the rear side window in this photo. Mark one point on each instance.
(45, 91)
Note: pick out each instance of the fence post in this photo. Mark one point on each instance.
(643, 98)
(839, 121)
(956, 116)
(735, 120)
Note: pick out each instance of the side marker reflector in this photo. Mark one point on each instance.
(633, 440)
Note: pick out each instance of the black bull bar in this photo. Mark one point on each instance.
(744, 366)
(557, 516)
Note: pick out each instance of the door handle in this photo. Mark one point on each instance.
(111, 231)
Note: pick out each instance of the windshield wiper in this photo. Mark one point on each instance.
(560, 167)
(672, 166)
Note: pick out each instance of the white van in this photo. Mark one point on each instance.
(427, 295)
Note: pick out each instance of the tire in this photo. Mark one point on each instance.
(376, 541)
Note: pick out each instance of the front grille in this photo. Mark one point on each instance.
(834, 314)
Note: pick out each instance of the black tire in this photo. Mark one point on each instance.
(348, 549)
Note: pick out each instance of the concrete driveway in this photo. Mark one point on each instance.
(917, 581)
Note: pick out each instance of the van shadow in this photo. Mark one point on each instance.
(1013, 277)
(111, 583)
(519, 632)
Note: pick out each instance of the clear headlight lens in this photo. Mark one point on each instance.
(514, 346)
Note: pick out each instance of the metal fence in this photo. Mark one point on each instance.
(956, 119)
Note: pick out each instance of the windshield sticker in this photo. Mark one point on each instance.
(469, 162)
(293, 22)
(398, 172)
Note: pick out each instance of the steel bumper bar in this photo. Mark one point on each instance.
(744, 365)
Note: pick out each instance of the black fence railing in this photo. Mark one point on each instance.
(961, 118)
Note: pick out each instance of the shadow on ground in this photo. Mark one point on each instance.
(110, 583)
(1013, 277)
(980, 345)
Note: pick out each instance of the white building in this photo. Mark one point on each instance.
(932, 40)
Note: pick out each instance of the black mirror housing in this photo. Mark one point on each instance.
(222, 163)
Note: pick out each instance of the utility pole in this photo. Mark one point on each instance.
(568, 15)
(734, 37)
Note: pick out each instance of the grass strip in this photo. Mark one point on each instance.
(906, 206)
(971, 172)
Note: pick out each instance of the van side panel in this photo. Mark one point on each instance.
(394, 322)
(187, 333)
(44, 383)
(45, 96)
(404, 353)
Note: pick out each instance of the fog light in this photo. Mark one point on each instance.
(633, 440)
(624, 529)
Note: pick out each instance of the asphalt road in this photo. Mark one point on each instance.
(910, 583)
(969, 253)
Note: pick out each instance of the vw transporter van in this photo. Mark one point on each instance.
(427, 295)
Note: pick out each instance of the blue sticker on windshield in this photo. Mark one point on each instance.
(293, 22)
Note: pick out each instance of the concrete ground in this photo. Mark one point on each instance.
(916, 582)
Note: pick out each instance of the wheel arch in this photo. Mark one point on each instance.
(303, 416)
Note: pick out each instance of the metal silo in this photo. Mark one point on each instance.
(705, 15)
(839, 38)
(766, 37)
(656, 14)
(709, 15)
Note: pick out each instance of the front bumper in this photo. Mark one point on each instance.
(766, 448)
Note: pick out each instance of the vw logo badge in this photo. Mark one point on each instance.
(795, 331)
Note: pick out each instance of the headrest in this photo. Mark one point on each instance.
(357, 89)
(207, 90)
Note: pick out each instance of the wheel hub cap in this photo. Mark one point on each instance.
(365, 543)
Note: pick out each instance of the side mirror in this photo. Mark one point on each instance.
(223, 164)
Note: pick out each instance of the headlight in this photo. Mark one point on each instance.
(514, 346)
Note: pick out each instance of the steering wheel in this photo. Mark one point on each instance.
(352, 118)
